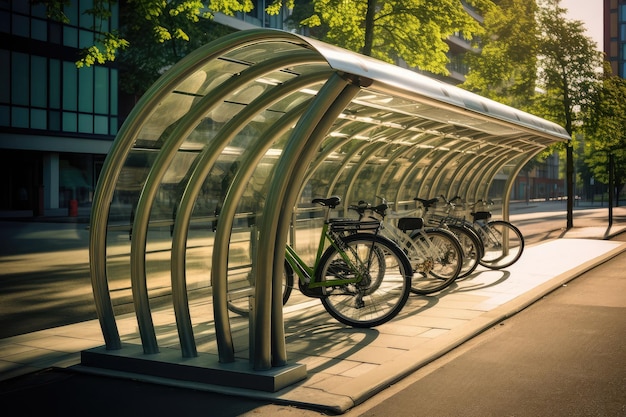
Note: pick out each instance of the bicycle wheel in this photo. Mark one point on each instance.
(472, 248)
(383, 289)
(503, 242)
(241, 305)
(439, 260)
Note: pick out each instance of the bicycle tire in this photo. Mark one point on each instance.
(241, 306)
(495, 256)
(382, 293)
(440, 269)
(472, 248)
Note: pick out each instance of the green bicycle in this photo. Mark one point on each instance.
(361, 278)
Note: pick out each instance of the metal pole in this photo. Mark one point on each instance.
(611, 186)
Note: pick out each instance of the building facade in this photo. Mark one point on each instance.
(57, 122)
(615, 35)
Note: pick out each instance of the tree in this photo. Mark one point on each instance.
(605, 129)
(142, 64)
(568, 63)
(162, 21)
(412, 30)
(506, 67)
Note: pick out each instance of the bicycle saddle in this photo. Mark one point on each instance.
(331, 202)
(427, 203)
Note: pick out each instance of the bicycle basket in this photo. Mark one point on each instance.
(353, 225)
(481, 215)
(410, 223)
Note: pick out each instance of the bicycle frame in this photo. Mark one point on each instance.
(306, 274)
(413, 247)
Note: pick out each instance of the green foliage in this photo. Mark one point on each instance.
(106, 50)
(568, 66)
(605, 128)
(412, 30)
(505, 70)
(149, 57)
(54, 9)
(161, 21)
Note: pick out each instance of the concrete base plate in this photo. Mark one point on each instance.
(205, 368)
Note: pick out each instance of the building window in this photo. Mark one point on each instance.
(41, 90)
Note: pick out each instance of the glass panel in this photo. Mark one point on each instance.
(5, 76)
(55, 120)
(85, 89)
(55, 84)
(69, 122)
(86, 20)
(70, 93)
(38, 81)
(70, 37)
(19, 80)
(101, 125)
(101, 90)
(19, 117)
(71, 11)
(20, 7)
(38, 10)
(55, 32)
(113, 92)
(86, 39)
(4, 115)
(113, 127)
(39, 30)
(5, 22)
(38, 119)
(85, 123)
(21, 26)
(114, 21)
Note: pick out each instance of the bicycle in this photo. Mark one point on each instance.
(502, 242)
(361, 278)
(469, 240)
(436, 255)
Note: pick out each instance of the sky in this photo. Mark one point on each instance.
(590, 13)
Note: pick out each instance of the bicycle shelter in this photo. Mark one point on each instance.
(214, 170)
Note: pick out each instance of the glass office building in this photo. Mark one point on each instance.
(615, 35)
(57, 122)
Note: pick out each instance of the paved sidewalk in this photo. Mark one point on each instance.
(346, 366)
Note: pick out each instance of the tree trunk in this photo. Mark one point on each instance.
(369, 27)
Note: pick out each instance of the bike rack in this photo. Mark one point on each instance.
(300, 119)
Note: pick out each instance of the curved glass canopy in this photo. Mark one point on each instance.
(214, 171)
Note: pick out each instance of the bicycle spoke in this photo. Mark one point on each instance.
(381, 287)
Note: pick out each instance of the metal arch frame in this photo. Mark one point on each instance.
(120, 149)
(206, 159)
(200, 170)
(269, 349)
(412, 111)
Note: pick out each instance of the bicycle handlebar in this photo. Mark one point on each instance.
(364, 206)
